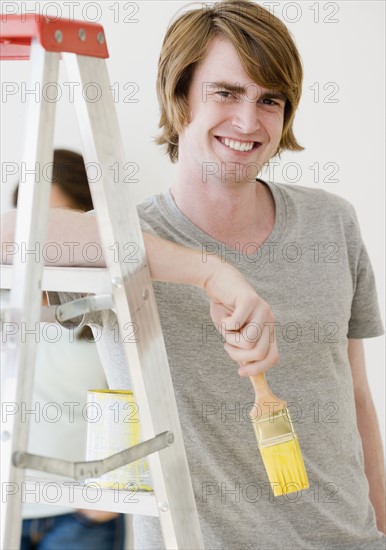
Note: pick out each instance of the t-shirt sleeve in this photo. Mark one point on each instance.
(147, 228)
(365, 320)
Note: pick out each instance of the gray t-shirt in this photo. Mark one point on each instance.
(316, 275)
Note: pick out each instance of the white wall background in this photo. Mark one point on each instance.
(342, 47)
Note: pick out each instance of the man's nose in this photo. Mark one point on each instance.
(246, 116)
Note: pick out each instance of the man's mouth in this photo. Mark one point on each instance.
(239, 146)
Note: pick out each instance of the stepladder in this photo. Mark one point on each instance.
(123, 287)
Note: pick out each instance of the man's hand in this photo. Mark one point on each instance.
(368, 427)
(244, 319)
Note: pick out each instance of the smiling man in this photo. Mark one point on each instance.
(229, 83)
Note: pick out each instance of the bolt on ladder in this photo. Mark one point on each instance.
(125, 286)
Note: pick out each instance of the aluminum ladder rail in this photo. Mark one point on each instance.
(83, 48)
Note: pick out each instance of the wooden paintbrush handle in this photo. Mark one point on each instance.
(266, 401)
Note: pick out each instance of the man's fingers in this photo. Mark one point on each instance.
(217, 313)
(240, 315)
(237, 340)
(250, 334)
(258, 367)
(251, 345)
(256, 352)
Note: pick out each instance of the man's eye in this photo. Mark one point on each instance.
(223, 93)
(272, 102)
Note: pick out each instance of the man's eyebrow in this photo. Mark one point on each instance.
(236, 88)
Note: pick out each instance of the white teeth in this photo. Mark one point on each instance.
(237, 145)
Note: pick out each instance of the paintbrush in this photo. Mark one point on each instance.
(277, 441)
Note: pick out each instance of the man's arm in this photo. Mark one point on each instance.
(369, 429)
(64, 226)
(234, 304)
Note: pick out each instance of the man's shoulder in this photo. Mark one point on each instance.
(317, 199)
(151, 214)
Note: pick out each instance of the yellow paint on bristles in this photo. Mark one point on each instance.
(285, 467)
(277, 440)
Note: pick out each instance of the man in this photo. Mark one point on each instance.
(229, 84)
(215, 71)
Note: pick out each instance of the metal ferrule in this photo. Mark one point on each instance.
(275, 428)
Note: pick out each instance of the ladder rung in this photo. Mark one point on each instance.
(93, 280)
(94, 497)
(93, 468)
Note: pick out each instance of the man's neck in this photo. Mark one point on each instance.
(240, 213)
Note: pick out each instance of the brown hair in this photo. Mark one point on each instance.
(69, 174)
(266, 49)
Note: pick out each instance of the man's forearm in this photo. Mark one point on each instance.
(173, 263)
(72, 231)
(68, 230)
(374, 458)
(233, 301)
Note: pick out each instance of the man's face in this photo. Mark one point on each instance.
(228, 126)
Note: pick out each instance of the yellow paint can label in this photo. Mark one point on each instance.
(113, 425)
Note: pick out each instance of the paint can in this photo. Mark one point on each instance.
(112, 426)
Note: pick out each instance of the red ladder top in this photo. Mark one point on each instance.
(54, 34)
